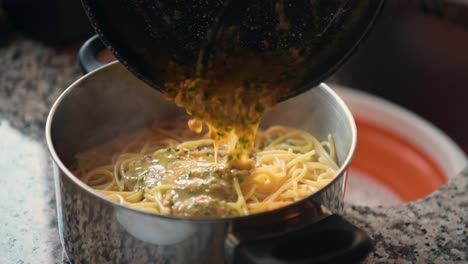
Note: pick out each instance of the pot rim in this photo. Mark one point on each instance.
(82, 185)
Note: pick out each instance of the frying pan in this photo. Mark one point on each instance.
(303, 41)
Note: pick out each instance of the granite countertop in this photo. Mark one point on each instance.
(432, 230)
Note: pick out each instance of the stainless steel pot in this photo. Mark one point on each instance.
(109, 101)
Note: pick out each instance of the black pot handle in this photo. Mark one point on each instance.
(87, 55)
(331, 240)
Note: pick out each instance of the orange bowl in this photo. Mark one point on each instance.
(400, 157)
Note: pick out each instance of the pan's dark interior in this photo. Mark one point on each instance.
(194, 33)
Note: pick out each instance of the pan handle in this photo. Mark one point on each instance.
(331, 240)
(87, 55)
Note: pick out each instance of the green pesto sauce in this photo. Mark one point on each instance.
(200, 187)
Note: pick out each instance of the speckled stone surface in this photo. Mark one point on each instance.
(31, 78)
(432, 230)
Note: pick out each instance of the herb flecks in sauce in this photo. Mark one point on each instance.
(230, 98)
(233, 84)
(202, 188)
(239, 73)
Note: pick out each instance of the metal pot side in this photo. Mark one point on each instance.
(110, 101)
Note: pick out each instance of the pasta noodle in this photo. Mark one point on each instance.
(168, 169)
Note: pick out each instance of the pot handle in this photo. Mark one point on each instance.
(331, 240)
(87, 55)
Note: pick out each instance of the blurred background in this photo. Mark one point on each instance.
(416, 55)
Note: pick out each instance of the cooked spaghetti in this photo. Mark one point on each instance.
(168, 169)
